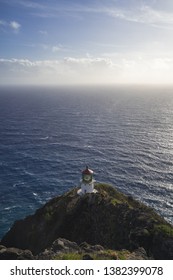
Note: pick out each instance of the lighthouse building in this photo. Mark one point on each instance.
(87, 182)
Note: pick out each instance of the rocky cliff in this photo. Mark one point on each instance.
(107, 218)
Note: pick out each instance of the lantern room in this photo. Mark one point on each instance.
(87, 175)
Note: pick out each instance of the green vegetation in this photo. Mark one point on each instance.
(48, 217)
(164, 229)
(103, 255)
(123, 255)
(107, 190)
(115, 201)
(107, 218)
(116, 197)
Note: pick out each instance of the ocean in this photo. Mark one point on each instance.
(48, 135)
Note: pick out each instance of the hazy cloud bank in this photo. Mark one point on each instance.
(86, 70)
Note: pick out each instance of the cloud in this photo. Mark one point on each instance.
(143, 14)
(67, 71)
(56, 48)
(146, 12)
(87, 70)
(43, 32)
(53, 48)
(138, 11)
(13, 25)
(29, 4)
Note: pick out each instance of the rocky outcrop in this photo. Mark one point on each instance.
(15, 254)
(108, 218)
(62, 249)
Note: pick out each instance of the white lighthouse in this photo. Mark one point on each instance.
(87, 182)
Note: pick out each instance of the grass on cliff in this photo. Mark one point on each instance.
(116, 196)
(164, 229)
(108, 190)
(103, 255)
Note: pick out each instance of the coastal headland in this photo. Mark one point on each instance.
(103, 225)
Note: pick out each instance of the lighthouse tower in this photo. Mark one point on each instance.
(87, 182)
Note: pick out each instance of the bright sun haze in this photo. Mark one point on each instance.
(86, 42)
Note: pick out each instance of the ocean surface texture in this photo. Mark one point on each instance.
(48, 135)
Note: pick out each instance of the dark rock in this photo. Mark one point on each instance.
(26, 255)
(108, 218)
(162, 247)
(64, 245)
(96, 248)
(90, 248)
(87, 257)
(140, 236)
(84, 245)
(15, 254)
(58, 247)
(47, 254)
(138, 254)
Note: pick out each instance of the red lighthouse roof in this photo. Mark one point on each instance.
(87, 171)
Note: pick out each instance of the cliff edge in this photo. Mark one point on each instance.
(108, 218)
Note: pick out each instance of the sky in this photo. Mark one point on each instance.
(57, 42)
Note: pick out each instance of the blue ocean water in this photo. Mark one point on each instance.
(48, 135)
